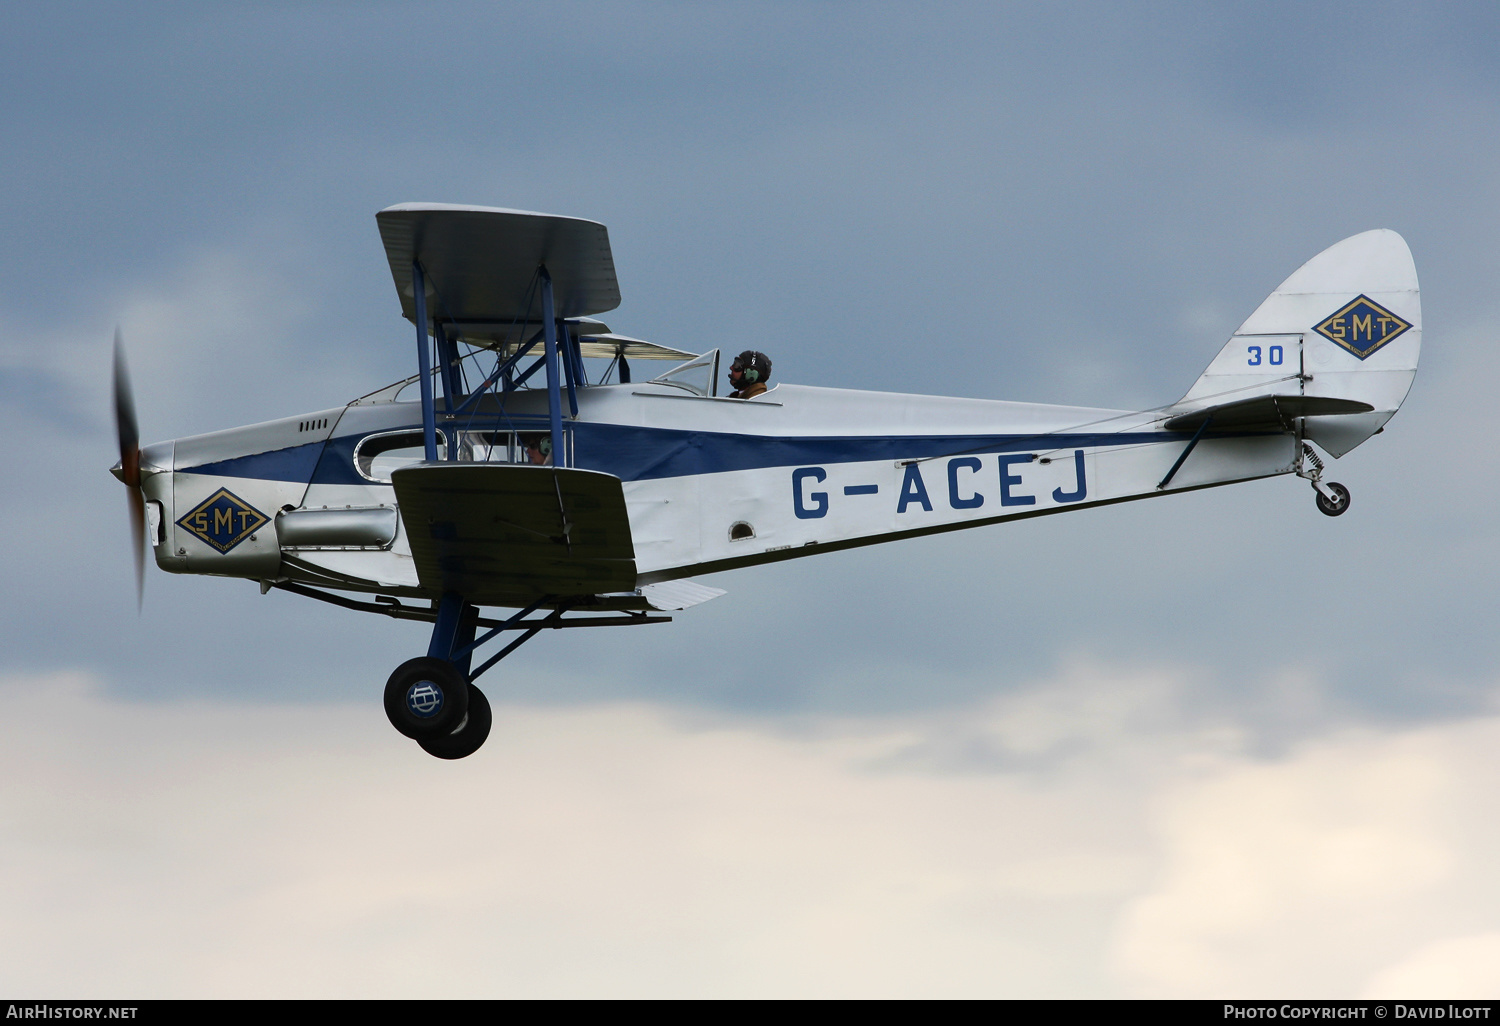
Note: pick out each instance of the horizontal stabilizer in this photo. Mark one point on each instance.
(510, 534)
(1265, 413)
(675, 595)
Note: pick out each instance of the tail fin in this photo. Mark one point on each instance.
(1346, 326)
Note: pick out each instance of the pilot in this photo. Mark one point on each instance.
(748, 374)
(538, 448)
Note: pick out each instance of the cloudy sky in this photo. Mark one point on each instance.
(1216, 744)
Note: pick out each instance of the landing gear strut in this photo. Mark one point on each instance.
(433, 700)
(1333, 498)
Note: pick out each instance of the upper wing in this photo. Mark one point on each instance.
(510, 534)
(480, 262)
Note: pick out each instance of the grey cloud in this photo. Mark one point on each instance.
(1074, 206)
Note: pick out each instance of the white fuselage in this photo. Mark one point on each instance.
(710, 483)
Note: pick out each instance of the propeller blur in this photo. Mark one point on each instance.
(128, 469)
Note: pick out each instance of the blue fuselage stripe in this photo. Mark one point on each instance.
(295, 463)
(641, 454)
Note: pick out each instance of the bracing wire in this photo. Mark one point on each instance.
(1071, 429)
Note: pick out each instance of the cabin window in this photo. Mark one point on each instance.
(377, 456)
(488, 447)
(506, 446)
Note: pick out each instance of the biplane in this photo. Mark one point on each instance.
(532, 475)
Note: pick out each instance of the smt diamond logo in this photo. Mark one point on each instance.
(1362, 327)
(223, 520)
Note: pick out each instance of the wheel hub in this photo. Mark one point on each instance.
(424, 699)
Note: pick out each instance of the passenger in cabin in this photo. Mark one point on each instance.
(538, 448)
(748, 374)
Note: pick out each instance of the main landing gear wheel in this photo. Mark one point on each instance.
(468, 736)
(1338, 504)
(426, 698)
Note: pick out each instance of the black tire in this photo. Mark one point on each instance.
(1332, 509)
(464, 741)
(426, 698)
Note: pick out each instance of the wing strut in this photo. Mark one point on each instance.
(1183, 458)
(447, 358)
(449, 373)
(424, 366)
(554, 397)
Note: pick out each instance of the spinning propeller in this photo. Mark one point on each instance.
(128, 470)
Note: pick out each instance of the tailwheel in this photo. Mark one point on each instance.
(1333, 499)
(427, 698)
(468, 735)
